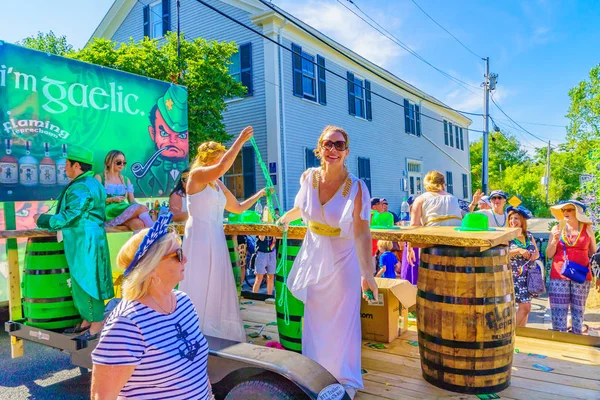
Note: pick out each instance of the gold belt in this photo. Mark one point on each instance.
(323, 229)
(442, 218)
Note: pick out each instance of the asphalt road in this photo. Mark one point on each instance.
(42, 373)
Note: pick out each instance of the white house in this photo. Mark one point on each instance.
(300, 81)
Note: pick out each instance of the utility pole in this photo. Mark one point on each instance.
(180, 75)
(547, 171)
(488, 85)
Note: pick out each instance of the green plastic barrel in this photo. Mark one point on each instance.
(47, 299)
(290, 334)
(235, 261)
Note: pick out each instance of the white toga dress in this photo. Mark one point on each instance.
(326, 277)
(208, 277)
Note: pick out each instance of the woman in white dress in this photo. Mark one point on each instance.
(336, 252)
(209, 278)
(436, 207)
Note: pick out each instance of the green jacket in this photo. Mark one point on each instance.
(80, 217)
(158, 181)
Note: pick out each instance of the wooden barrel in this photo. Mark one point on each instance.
(290, 333)
(234, 257)
(466, 318)
(47, 299)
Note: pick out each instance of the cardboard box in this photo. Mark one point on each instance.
(379, 320)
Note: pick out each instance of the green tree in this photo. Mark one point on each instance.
(205, 67)
(48, 42)
(584, 110)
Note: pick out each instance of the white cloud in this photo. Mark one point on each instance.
(346, 28)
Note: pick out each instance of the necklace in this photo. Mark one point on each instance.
(565, 236)
(495, 220)
(521, 244)
(159, 306)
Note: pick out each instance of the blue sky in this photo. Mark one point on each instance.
(539, 48)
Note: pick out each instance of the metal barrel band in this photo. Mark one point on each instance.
(46, 253)
(466, 389)
(465, 301)
(464, 270)
(58, 319)
(293, 318)
(466, 372)
(46, 271)
(47, 300)
(465, 345)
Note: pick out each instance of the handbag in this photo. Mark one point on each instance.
(535, 278)
(572, 270)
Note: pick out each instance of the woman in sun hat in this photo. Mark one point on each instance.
(522, 252)
(573, 237)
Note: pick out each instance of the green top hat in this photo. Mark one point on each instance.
(250, 217)
(80, 154)
(233, 218)
(473, 222)
(384, 220)
(174, 108)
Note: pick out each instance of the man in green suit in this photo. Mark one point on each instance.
(79, 220)
(169, 131)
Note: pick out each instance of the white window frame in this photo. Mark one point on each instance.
(415, 178)
(313, 78)
(359, 83)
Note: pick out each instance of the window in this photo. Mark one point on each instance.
(414, 178)
(446, 140)
(412, 118)
(310, 160)
(450, 134)
(359, 97)
(465, 181)
(240, 179)
(157, 19)
(462, 143)
(308, 75)
(449, 185)
(364, 171)
(240, 68)
(457, 137)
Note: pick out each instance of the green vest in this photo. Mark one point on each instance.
(80, 217)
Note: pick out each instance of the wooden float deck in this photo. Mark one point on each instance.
(395, 372)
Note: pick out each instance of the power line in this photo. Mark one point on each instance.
(539, 124)
(325, 68)
(507, 116)
(439, 104)
(445, 30)
(404, 46)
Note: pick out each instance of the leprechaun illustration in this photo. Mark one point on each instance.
(168, 129)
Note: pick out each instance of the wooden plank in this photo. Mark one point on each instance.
(14, 279)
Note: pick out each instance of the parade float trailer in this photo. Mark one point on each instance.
(396, 370)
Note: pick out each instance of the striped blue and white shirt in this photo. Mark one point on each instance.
(169, 352)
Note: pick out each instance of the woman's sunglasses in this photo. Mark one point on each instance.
(340, 145)
(564, 210)
(178, 253)
(496, 198)
(119, 163)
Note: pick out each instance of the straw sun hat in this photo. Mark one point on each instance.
(579, 211)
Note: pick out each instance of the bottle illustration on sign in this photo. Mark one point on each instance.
(61, 168)
(28, 167)
(47, 168)
(9, 174)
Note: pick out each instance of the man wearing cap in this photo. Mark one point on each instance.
(496, 214)
(385, 208)
(168, 129)
(79, 220)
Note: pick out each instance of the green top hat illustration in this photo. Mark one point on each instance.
(473, 222)
(174, 108)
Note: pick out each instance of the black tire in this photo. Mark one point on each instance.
(265, 388)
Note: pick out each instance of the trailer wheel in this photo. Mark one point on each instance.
(265, 388)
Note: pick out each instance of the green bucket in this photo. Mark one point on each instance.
(290, 335)
(234, 257)
(47, 298)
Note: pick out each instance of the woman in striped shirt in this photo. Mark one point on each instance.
(151, 346)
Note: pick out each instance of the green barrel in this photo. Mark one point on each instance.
(235, 261)
(290, 335)
(47, 299)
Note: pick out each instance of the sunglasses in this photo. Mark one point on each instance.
(340, 145)
(119, 163)
(564, 210)
(384, 204)
(178, 253)
(497, 198)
